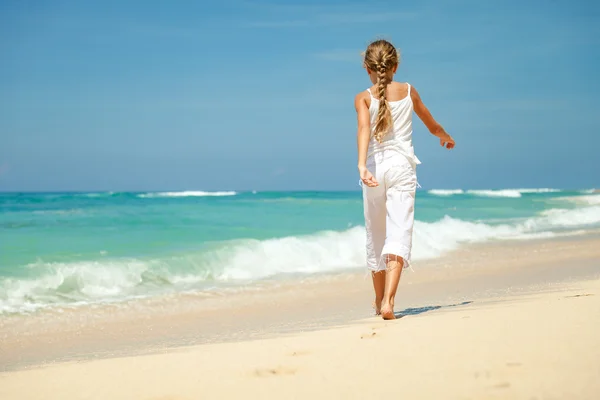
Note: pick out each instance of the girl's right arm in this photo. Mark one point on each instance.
(434, 127)
(363, 137)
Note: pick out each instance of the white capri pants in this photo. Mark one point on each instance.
(389, 209)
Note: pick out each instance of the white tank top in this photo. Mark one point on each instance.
(399, 138)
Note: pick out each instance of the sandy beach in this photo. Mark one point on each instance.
(214, 199)
(495, 321)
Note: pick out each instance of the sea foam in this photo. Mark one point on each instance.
(445, 192)
(514, 193)
(188, 193)
(241, 261)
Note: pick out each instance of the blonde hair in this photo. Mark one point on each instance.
(381, 57)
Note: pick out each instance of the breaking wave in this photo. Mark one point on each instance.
(514, 193)
(188, 194)
(241, 261)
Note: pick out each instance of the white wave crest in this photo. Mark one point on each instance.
(495, 193)
(540, 190)
(563, 219)
(188, 193)
(64, 283)
(242, 260)
(445, 192)
(582, 200)
(590, 200)
(97, 194)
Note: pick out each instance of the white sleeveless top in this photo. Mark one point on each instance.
(399, 137)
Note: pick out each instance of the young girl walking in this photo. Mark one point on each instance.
(387, 166)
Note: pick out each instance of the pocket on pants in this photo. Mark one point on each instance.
(401, 177)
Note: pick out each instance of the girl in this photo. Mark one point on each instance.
(387, 166)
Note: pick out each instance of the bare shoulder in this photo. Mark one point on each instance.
(362, 95)
(362, 98)
(414, 94)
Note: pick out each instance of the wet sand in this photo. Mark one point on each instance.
(501, 320)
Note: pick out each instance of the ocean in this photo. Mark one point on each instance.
(62, 250)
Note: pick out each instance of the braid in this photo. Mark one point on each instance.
(384, 115)
(381, 57)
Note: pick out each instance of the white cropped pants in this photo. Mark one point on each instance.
(389, 209)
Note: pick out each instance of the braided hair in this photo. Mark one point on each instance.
(381, 57)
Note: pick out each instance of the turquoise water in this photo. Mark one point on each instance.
(79, 248)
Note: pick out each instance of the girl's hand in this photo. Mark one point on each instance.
(434, 127)
(367, 178)
(447, 141)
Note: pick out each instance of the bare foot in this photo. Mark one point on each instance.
(387, 311)
(377, 307)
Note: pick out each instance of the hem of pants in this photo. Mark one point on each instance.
(396, 249)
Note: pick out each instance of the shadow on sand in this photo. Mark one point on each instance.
(421, 310)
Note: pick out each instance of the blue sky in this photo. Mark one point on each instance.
(254, 95)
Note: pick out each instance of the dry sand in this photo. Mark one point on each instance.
(539, 342)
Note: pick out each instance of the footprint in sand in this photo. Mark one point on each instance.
(579, 295)
(278, 371)
(300, 353)
(368, 335)
(380, 327)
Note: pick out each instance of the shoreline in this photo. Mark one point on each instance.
(539, 343)
(482, 271)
